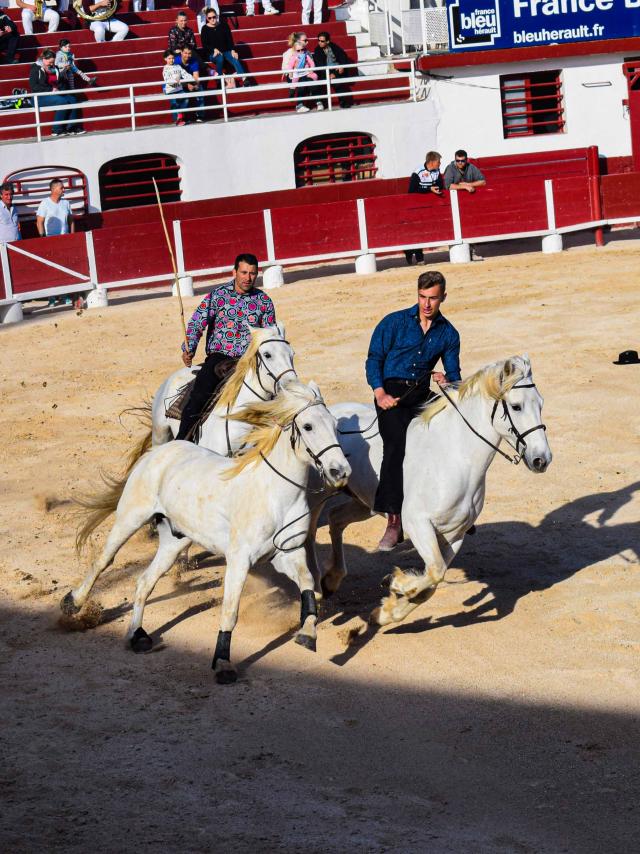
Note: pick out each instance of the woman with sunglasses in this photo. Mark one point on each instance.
(218, 45)
(298, 65)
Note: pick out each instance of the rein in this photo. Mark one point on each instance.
(517, 457)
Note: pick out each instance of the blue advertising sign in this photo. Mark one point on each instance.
(499, 24)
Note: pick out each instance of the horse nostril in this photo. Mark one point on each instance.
(539, 464)
(335, 473)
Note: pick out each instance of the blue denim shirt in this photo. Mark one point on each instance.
(399, 348)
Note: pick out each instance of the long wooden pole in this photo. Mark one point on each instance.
(173, 264)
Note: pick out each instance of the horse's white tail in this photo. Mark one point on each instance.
(98, 506)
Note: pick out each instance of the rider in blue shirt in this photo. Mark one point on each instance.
(405, 347)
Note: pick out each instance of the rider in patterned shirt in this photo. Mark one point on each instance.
(228, 314)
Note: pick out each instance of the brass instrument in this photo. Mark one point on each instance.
(100, 14)
(40, 4)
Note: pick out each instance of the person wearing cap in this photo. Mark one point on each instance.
(405, 347)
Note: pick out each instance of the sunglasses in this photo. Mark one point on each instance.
(212, 17)
(461, 159)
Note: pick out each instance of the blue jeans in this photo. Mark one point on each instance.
(60, 117)
(178, 105)
(238, 67)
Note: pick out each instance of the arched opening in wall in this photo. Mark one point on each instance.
(31, 186)
(128, 181)
(335, 157)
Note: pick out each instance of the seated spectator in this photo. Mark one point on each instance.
(331, 56)
(297, 65)
(45, 77)
(462, 175)
(174, 76)
(112, 25)
(201, 17)
(48, 16)
(217, 44)
(191, 64)
(137, 5)
(425, 181)
(8, 39)
(181, 35)
(267, 5)
(66, 65)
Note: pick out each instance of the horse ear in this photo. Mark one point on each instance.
(315, 388)
(281, 329)
(526, 364)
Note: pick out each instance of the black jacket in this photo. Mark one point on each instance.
(320, 58)
(5, 21)
(38, 78)
(216, 38)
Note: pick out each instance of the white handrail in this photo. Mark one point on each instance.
(132, 96)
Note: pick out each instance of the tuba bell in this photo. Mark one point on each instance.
(100, 14)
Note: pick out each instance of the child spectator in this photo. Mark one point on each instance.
(174, 76)
(297, 63)
(66, 65)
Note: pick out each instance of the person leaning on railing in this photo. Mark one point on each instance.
(9, 38)
(298, 65)
(174, 76)
(9, 223)
(44, 77)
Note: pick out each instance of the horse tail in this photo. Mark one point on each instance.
(98, 506)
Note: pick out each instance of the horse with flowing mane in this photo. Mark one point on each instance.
(450, 447)
(257, 375)
(252, 508)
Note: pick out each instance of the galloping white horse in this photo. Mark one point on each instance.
(252, 508)
(450, 446)
(257, 376)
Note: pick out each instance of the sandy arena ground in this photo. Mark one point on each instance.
(501, 717)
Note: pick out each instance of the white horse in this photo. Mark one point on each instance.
(450, 447)
(257, 376)
(252, 508)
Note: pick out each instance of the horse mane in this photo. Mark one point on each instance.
(268, 418)
(246, 362)
(493, 382)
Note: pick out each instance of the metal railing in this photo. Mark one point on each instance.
(395, 28)
(134, 98)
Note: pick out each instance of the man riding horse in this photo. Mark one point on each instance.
(405, 347)
(228, 313)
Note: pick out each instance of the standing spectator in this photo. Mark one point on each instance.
(45, 77)
(332, 57)
(48, 16)
(306, 12)
(297, 65)
(425, 181)
(462, 175)
(111, 24)
(191, 65)
(181, 35)
(9, 225)
(54, 213)
(267, 5)
(174, 76)
(66, 65)
(217, 44)
(9, 37)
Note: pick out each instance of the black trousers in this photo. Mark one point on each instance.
(393, 425)
(9, 43)
(209, 378)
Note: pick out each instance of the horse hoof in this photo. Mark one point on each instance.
(68, 606)
(225, 673)
(140, 641)
(307, 642)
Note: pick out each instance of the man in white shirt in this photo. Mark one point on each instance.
(9, 225)
(48, 15)
(54, 213)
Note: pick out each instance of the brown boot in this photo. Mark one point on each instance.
(393, 535)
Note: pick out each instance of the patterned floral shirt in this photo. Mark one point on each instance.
(228, 318)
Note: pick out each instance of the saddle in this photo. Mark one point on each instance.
(174, 406)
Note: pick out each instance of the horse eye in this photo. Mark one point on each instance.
(516, 407)
(307, 427)
(267, 355)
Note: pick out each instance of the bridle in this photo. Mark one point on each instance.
(261, 363)
(506, 416)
